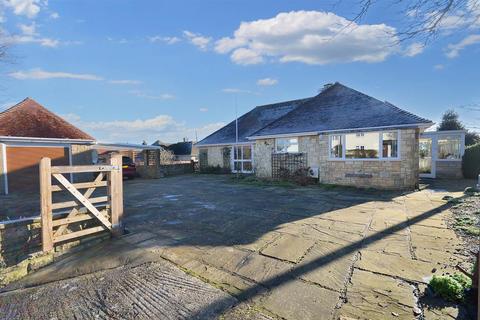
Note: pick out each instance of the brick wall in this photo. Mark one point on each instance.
(449, 169)
(2, 169)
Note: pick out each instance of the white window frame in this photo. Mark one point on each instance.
(440, 135)
(233, 160)
(380, 145)
(286, 138)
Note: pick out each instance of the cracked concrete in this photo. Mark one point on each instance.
(273, 253)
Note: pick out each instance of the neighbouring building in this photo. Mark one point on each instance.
(182, 151)
(29, 132)
(344, 136)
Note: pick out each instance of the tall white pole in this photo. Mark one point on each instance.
(236, 134)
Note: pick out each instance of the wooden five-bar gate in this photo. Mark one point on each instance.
(86, 215)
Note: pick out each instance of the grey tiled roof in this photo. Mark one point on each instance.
(251, 122)
(335, 108)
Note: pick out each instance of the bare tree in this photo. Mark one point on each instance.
(426, 18)
(167, 157)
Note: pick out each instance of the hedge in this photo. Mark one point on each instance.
(471, 161)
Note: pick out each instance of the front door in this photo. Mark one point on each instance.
(427, 163)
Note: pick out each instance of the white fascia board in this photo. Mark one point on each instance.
(284, 135)
(36, 140)
(413, 125)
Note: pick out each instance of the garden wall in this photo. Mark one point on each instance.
(21, 252)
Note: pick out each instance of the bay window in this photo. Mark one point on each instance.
(286, 145)
(365, 145)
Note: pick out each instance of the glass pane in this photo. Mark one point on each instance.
(336, 150)
(390, 145)
(362, 145)
(292, 145)
(425, 150)
(287, 145)
(237, 166)
(238, 153)
(247, 166)
(449, 147)
(247, 153)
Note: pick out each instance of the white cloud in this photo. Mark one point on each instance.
(203, 109)
(39, 74)
(163, 127)
(236, 90)
(28, 29)
(167, 40)
(119, 41)
(453, 50)
(246, 56)
(438, 67)
(25, 39)
(197, 39)
(267, 82)
(54, 15)
(310, 37)
(142, 94)
(125, 81)
(28, 8)
(414, 49)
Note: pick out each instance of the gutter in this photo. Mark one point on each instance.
(45, 140)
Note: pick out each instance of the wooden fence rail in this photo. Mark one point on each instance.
(88, 215)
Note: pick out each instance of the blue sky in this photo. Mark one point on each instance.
(128, 71)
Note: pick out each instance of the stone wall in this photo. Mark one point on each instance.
(449, 169)
(391, 174)
(2, 169)
(21, 252)
(262, 157)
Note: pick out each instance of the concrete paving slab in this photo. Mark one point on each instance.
(396, 266)
(299, 300)
(396, 244)
(258, 268)
(288, 247)
(335, 273)
(376, 297)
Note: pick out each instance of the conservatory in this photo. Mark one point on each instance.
(441, 154)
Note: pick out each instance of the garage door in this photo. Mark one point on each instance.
(22, 165)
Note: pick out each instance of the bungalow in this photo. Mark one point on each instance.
(344, 136)
(29, 132)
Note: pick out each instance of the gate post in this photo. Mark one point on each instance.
(115, 191)
(46, 203)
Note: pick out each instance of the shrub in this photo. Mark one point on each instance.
(302, 177)
(471, 162)
(451, 287)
